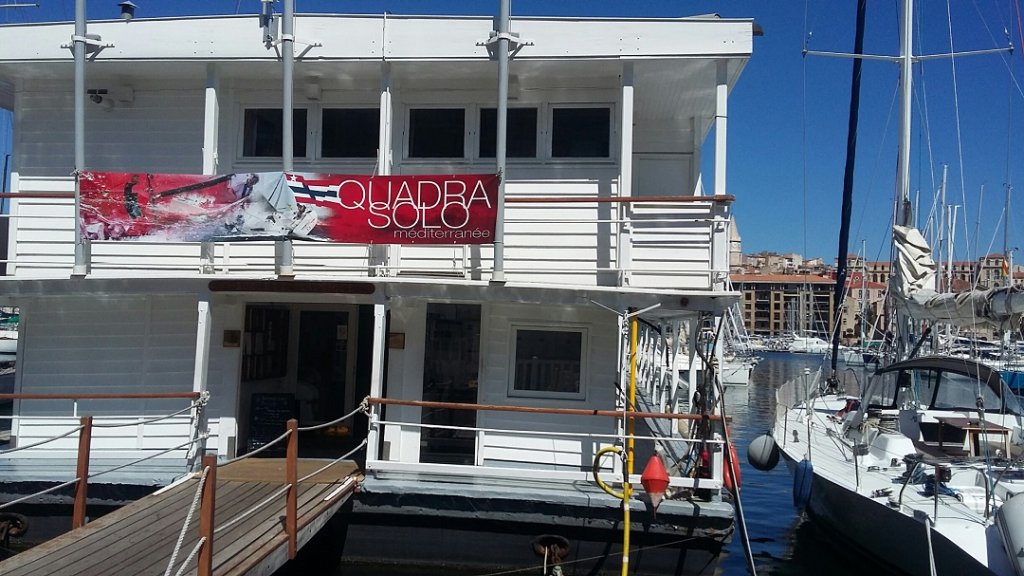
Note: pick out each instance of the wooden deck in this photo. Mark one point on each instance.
(140, 538)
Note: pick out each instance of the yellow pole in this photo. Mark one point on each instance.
(627, 488)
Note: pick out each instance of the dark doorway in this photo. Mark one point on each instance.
(451, 366)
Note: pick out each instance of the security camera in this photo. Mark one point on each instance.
(96, 98)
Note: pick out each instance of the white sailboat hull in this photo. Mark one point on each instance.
(860, 499)
(893, 539)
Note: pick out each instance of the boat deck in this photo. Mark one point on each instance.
(140, 538)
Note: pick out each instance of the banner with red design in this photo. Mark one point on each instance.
(449, 209)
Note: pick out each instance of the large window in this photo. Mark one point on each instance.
(350, 133)
(520, 137)
(549, 362)
(262, 133)
(581, 132)
(437, 133)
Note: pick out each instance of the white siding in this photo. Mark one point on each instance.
(161, 130)
(541, 450)
(111, 345)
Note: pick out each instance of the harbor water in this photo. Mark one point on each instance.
(782, 542)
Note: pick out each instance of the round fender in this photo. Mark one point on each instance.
(763, 453)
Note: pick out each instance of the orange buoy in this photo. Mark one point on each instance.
(655, 479)
(733, 472)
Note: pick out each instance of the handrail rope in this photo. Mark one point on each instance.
(284, 489)
(253, 509)
(188, 519)
(363, 407)
(150, 457)
(258, 450)
(41, 442)
(40, 493)
(333, 462)
(188, 408)
(191, 556)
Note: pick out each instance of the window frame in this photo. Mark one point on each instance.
(583, 331)
(469, 129)
(312, 118)
(318, 133)
(549, 132)
(538, 136)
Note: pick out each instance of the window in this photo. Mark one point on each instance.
(548, 362)
(350, 133)
(520, 137)
(437, 133)
(581, 132)
(261, 135)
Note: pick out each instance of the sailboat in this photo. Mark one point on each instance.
(920, 467)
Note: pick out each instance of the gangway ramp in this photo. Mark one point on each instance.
(141, 537)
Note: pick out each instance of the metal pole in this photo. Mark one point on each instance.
(498, 275)
(283, 248)
(80, 267)
(627, 488)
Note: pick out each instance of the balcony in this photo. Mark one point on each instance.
(556, 232)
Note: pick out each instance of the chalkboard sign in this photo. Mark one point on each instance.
(268, 419)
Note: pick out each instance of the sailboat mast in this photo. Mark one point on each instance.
(906, 86)
(851, 156)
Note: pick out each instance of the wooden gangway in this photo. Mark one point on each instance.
(250, 524)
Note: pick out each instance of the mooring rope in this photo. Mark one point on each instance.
(363, 407)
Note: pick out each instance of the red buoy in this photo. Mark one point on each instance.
(655, 479)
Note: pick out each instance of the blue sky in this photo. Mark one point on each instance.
(788, 113)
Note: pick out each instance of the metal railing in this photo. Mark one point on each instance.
(533, 470)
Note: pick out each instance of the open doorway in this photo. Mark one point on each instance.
(300, 361)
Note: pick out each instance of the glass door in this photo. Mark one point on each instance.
(450, 369)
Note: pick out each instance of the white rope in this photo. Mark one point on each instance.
(150, 457)
(40, 493)
(191, 555)
(41, 442)
(256, 451)
(251, 510)
(188, 519)
(333, 462)
(363, 407)
(151, 420)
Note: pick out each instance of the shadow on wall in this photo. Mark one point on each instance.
(4, 223)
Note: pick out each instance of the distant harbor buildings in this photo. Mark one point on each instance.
(785, 294)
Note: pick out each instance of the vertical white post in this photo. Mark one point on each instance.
(721, 124)
(625, 257)
(199, 376)
(380, 254)
(380, 340)
(211, 119)
(697, 156)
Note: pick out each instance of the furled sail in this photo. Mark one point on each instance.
(913, 285)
